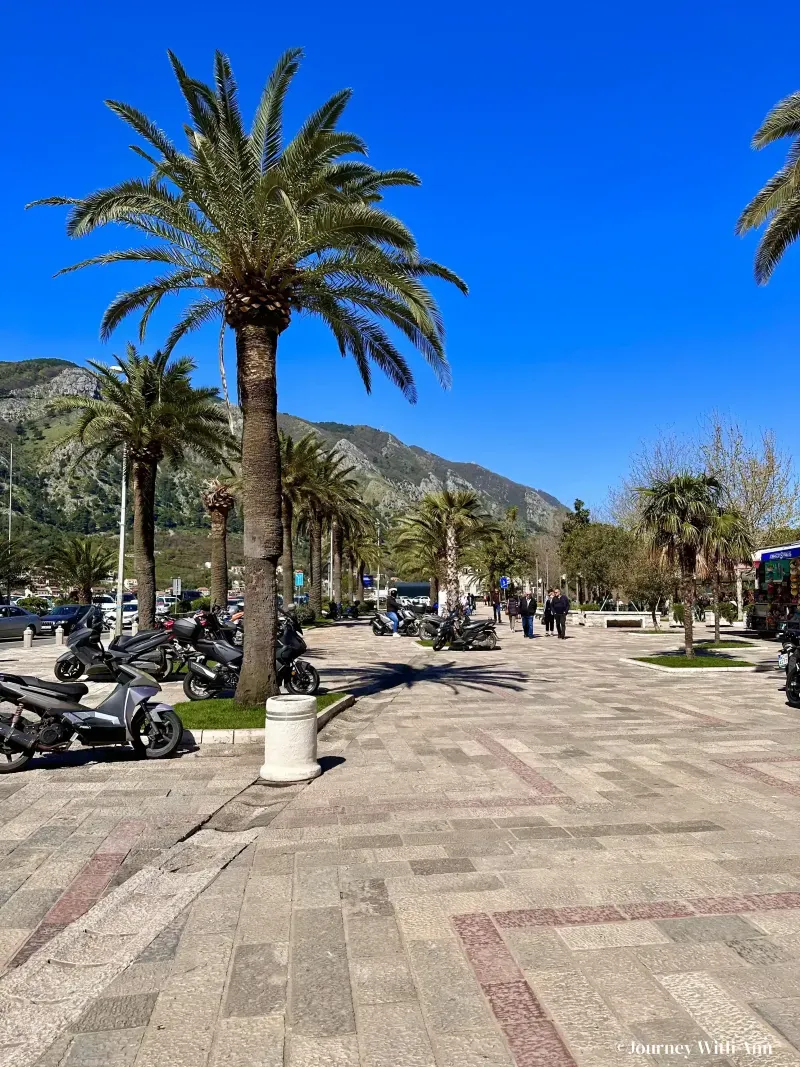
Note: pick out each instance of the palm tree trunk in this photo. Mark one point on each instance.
(85, 593)
(688, 616)
(717, 595)
(219, 557)
(256, 350)
(359, 594)
(287, 561)
(336, 534)
(143, 475)
(434, 589)
(315, 552)
(452, 568)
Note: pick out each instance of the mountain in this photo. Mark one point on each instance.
(393, 474)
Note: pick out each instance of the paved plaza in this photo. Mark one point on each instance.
(535, 857)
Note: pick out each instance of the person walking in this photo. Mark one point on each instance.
(497, 606)
(512, 606)
(560, 607)
(392, 609)
(527, 610)
(549, 620)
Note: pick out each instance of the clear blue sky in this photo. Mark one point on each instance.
(582, 166)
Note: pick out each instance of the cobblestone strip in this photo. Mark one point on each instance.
(540, 785)
(744, 766)
(531, 1035)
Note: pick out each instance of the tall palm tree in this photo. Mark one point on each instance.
(778, 203)
(80, 563)
(260, 230)
(219, 501)
(729, 541)
(148, 406)
(298, 464)
(330, 489)
(675, 519)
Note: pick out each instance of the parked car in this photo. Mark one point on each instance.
(67, 616)
(14, 621)
(165, 604)
(130, 613)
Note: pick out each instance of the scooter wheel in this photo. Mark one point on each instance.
(377, 629)
(68, 670)
(412, 629)
(438, 643)
(195, 688)
(304, 681)
(156, 740)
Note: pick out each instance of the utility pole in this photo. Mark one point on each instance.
(10, 484)
(378, 580)
(121, 561)
(330, 568)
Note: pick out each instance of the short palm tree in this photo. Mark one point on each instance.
(778, 203)
(259, 231)
(148, 406)
(80, 563)
(219, 501)
(298, 464)
(675, 520)
(729, 542)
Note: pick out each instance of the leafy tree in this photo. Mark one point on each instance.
(648, 582)
(674, 522)
(259, 230)
(298, 464)
(505, 551)
(219, 501)
(729, 542)
(600, 553)
(17, 560)
(80, 563)
(149, 407)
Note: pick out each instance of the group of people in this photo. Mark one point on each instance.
(554, 611)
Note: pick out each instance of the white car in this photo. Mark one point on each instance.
(165, 604)
(130, 613)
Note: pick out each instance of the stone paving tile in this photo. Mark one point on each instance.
(320, 1001)
(392, 1034)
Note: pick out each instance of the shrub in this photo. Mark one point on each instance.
(203, 603)
(587, 607)
(305, 615)
(677, 612)
(728, 611)
(38, 605)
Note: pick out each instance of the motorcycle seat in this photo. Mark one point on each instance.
(68, 689)
(38, 702)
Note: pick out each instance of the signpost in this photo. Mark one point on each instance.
(504, 583)
(298, 579)
(177, 587)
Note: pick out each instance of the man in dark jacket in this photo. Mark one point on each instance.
(560, 607)
(527, 610)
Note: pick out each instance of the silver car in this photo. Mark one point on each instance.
(15, 621)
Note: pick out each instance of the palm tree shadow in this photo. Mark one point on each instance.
(455, 676)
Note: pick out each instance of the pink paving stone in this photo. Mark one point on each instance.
(477, 929)
(577, 915)
(658, 909)
(533, 778)
(486, 950)
(537, 1044)
(40, 936)
(510, 920)
(766, 901)
(85, 888)
(513, 1002)
(123, 837)
(721, 905)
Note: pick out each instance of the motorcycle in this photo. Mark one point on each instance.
(460, 634)
(788, 661)
(146, 651)
(210, 645)
(408, 623)
(48, 716)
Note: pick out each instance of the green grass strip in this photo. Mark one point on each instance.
(682, 662)
(226, 714)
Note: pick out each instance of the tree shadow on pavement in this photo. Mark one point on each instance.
(378, 677)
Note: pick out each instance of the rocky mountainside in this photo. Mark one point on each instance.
(86, 499)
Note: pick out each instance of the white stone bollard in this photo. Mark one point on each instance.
(27, 637)
(290, 740)
(59, 635)
(134, 627)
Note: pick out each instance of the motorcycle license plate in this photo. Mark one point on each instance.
(783, 659)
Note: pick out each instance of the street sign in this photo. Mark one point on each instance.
(177, 587)
(367, 581)
(298, 579)
(504, 583)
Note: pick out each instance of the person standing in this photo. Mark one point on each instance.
(512, 606)
(527, 609)
(549, 620)
(560, 607)
(497, 607)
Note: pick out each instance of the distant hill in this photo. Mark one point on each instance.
(393, 474)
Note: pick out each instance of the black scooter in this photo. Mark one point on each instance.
(202, 681)
(48, 716)
(85, 653)
(462, 635)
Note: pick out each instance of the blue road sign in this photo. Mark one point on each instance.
(298, 579)
(504, 583)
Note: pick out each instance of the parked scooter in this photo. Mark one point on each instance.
(408, 623)
(460, 634)
(47, 717)
(85, 653)
(202, 681)
(788, 660)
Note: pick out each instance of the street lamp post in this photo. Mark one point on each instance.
(121, 560)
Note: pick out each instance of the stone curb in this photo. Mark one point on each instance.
(681, 671)
(192, 738)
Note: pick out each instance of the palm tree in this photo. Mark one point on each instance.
(149, 407)
(80, 563)
(676, 517)
(298, 464)
(729, 542)
(219, 502)
(778, 203)
(330, 489)
(259, 230)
